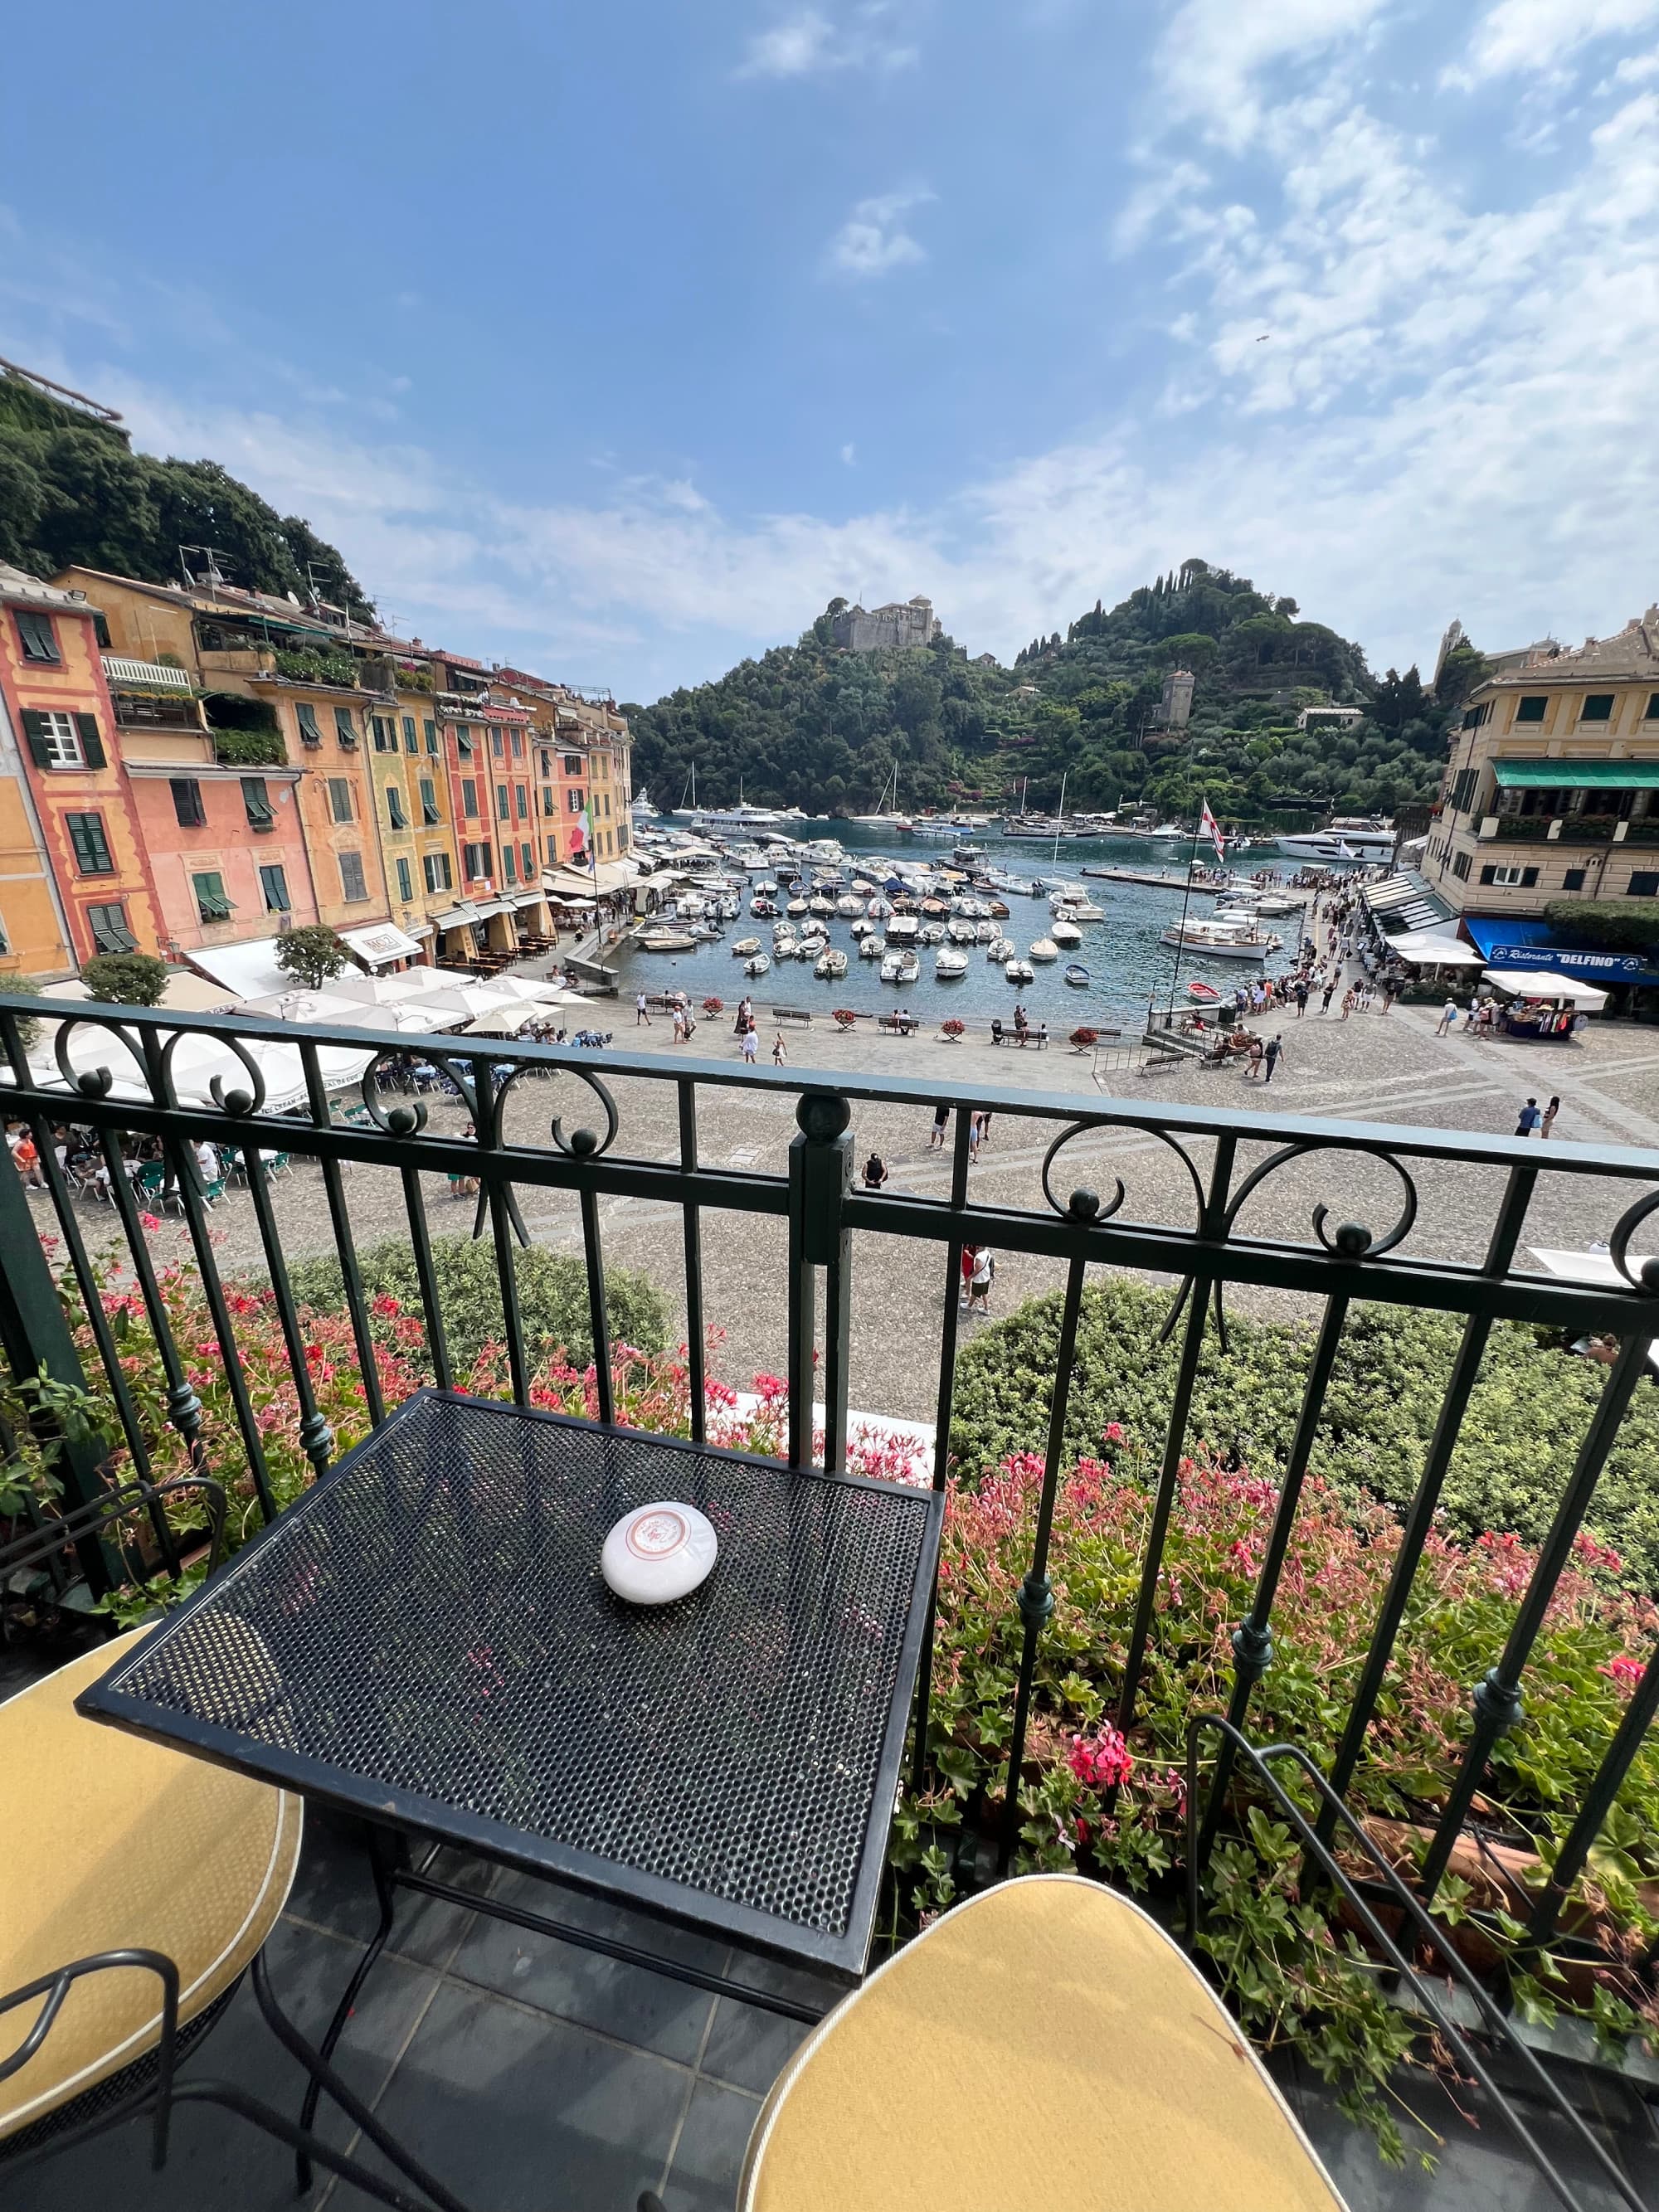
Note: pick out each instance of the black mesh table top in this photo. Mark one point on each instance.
(425, 1638)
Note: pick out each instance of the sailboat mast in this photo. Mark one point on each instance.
(1059, 819)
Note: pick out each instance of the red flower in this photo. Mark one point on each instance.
(1624, 1669)
(387, 1306)
(1103, 1764)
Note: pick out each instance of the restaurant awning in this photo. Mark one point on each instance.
(1577, 774)
(485, 908)
(381, 942)
(458, 917)
(1526, 942)
(529, 898)
(248, 970)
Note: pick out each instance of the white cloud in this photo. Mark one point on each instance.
(1213, 53)
(1536, 37)
(808, 44)
(848, 455)
(873, 241)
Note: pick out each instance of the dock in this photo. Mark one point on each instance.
(1161, 879)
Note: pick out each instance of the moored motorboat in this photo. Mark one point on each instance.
(830, 965)
(1066, 932)
(1044, 948)
(667, 940)
(746, 947)
(949, 966)
(1077, 975)
(1020, 971)
(758, 966)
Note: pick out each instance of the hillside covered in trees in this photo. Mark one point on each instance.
(816, 726)
(72, 490)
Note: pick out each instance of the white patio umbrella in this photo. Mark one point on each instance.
(197, 1060)
(393, 990)
(332, 1009)
(473, 999)
(529, 986)
(505, 1020)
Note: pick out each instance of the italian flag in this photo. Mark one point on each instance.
(584, 837)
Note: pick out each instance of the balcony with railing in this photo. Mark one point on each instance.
(1391, 1783)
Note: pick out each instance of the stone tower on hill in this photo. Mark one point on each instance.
(870, 630)
(1175, 708)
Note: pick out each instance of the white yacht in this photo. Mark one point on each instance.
(1347, 838)
(1044, 948)
(948, 966)
(1065, 933)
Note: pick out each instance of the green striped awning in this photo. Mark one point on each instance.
(1577, 775)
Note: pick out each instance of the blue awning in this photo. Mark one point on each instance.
(1523, 944)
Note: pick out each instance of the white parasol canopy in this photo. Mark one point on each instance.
(197, 1060)
(1545, 983)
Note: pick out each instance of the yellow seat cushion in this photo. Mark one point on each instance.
(1044, 2043)
(108, 1842)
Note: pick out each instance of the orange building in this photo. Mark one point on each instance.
(77, 799)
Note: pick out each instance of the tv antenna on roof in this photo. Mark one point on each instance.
(212, 575)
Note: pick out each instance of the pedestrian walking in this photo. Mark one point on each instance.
(1529, 1119)
(751, 1047)
(941, 1123)
(1348, 999)
(875, 1172)
(640, 1012)
(1253, 1063)
(1300, 994)
(1448, 1018)
(980, 1282)
(1548, 1121)
(1272, 1057)
(779, 1055)
(1327, 995)
(679, 1025)
(970, 1261)
(973, 1138)
(985, 1128)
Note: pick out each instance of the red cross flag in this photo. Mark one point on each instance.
(1212, 829)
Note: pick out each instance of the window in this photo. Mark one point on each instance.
(573, 800)
(463, 740)
(35, 634)
(1597, 707)
(108, 925)
(495, 740)
(528, 858)
(572, 763)
(394, 808)
(1652, 715)
(521, 792)
(509, 864)
(1524, 877)
(352, 886)
(469, 796)
(546, 762)
(429, 813)
(101, 631)
(309, 732)
(518, 744)
(1462, 791)
(405, 881)
(1474, 716)
(552, 844)
(187, 807)
(621, 838)
(256, 802)
(386, 735)
(1531, 709)
(411, 735)
(547, 799)
(503, 803)
(211, 903)
(1573, 880)
(1644, 884)
(431, 730)
(475, 862)
(339, 797)
(344, 728)
(1460, 866)
(91, 846)
(435, 867)
(56, 740)
(274, 884)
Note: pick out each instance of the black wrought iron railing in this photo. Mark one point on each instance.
(1222, 1163)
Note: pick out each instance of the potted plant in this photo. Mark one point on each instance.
(845, 1016)
(953, 1030)
(1084, 1040)
(712, 1007)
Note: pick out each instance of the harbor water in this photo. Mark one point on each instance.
(1127, 966)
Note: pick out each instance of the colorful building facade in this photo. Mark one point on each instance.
(74, 804)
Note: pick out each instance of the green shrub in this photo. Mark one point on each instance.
(126, 979)
(552, 1296)
(1526, 1417)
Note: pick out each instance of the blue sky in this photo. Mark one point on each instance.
(613, 342)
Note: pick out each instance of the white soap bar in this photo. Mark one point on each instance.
(658, 1553)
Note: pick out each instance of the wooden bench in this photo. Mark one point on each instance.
(800, 1015)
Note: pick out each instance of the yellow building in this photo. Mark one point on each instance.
(1549, 791)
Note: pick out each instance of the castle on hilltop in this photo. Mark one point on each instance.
(872, 629)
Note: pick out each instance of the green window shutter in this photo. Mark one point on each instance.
(275, 884)
(411, 739)
(405, 882)
(92, 740)
(309, 732)
(463, 740)
(344, 728)
(352, 883)
(431, 729)
(34, 731)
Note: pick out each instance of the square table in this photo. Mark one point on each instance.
(424, 1639)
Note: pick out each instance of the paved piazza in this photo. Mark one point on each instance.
(1372, 1068)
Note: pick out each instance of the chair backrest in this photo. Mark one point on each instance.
(151, 1176)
